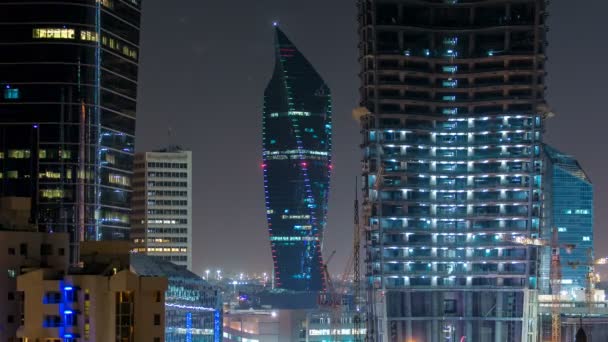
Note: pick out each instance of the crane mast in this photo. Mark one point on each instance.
(356, 270)
(556, 281)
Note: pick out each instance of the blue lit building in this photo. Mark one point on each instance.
(193, 307)
(297, 166)
(68, 103)
(454, 109)
(568, 207)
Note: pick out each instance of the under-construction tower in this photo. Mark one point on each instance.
(453, 93)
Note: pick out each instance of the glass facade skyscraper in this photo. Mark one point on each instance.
(68, 73)
(568, 206)
(297, 166)
(454, 95)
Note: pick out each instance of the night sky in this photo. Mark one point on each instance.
(204, 67)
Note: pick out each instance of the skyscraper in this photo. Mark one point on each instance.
(162, 205)
(68, 73)
(297, 166)
(568, 207)
(452, 164)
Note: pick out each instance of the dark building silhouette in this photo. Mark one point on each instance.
(68, 78)
(297, 167)
(452, 166)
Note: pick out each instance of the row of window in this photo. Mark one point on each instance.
(167, 212)
(42, 154)
(167, 165)
(45, 250)
(168, 184)
(89, 36)
(167, 231)
(168, 174)
(167, 193)
(167, 202)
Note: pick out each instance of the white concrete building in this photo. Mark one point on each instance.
(162, 205)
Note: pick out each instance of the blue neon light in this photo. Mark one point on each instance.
(189, 327)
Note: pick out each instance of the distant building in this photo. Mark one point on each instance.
(68, 98)
(297, 141)
(193, 308)
(288, 325)
(162, 205)
(101, 301)
(22, 250)
(568, 195)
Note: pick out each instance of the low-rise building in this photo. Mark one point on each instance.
(23, 249)
(193, 307)
(100, 300)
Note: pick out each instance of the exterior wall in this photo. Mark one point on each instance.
(296, 141)
(20, 251)
(452, 165)
(65, 118)
(162, 206)
(569, 207)
(93, 298)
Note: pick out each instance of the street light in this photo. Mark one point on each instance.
(207, 274)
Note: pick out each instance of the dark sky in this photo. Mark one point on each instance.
(204, 67)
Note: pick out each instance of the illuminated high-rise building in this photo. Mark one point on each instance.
(569, 208)
(297, 167)
(162, 205)
(68, 78)
(453, 93)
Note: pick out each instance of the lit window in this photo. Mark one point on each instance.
(11, 94)
(18, 154)
(106, 3)
(53, 33)
(12, 273)
(50, 175)
(586, 238)
(52, 193)
(119, 179)
(449, 98)
(562, 230)
(12, 174)
(89, 36)
(42, 154)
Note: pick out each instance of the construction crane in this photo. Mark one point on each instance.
(330, 299)
(357, 270)
(555, 275)
(556, 282)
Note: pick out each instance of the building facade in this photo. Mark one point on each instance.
(452, 117)
(568, 207)
(67, 113)
(193, 308)
(162, 205)
(25, 251)
(120, 306)
(297, 166)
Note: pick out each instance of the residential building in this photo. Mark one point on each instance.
(23, 249)
(568, 204)
(193, 307)
(94, 304)
(162, 205)
(453, 108)
(296, 156)
(68, 102)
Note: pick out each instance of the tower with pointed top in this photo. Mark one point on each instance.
(296, 141)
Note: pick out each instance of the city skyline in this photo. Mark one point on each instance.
(330, 44)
